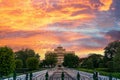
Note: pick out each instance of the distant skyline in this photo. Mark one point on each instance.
(83, 26)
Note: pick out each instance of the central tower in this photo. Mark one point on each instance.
(60, 51)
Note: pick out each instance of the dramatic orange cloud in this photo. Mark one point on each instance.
(32, 15)
(106, 4)
(44, 24)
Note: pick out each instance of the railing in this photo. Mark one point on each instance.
(87, 76)
(69, 74)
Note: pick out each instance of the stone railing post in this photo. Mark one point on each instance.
(110, 77)
(26, 78)
(31, 75)
(95, 76)
(78, 76)
(62, 76)
(14, 75)
(46, 76)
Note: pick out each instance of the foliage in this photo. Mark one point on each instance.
(50, 59)
(32, 63)
(110, 66)
(7, 61)
(87, 63)
(22, 70)
(43, 63)
(92, 61)
(111, 50)
(96, 59)
(102, 69)
(18, 63)
(24, 54)
(110, 60)
(116, 63)
(71, 60)
(101, 72)
(111, 56)
(101, 65)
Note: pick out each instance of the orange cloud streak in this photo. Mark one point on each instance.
(30, 15)
(17, 13)
(37, 42)
(106, 6)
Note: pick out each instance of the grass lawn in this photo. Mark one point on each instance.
(114, 74)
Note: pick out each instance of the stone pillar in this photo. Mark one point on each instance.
(78, 76)
(95, 76)
(46, 76)
(14, 75)
(31, 75)
(110, 77)
(26, 76)
(62, 76)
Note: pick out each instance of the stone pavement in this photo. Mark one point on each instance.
(57, 75)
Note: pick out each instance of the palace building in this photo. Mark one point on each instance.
(60, 51)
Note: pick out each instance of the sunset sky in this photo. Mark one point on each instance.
(83, 26)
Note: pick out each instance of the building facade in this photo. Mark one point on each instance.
(60, 51)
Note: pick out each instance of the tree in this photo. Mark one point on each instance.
(18, 63)
(92, 61)
(116, 61)
(32, 63)
(110, 66)
(43, 63)
(51, 59)
(7, 61)
(71, 60)
(111, 50)
(96, 59)
(87, 63)
(24, 54)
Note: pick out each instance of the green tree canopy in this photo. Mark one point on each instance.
(51, 59)
(71, 60)
(32, 63)
(24, 54)
(7, 61)
(18, 63)
(111, 50)
(116, 61)
(92, 61)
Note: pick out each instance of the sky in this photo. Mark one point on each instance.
(83, 26)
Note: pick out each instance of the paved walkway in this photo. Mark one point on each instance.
(71, 74)
(57, 75)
